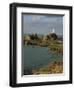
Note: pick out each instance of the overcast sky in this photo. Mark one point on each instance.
(42, 24)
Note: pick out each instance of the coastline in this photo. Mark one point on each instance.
(55, 67)
(54, 45)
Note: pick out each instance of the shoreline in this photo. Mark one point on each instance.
(52, 68)
(49, 48)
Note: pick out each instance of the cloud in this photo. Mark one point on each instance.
(36, 18)
(40, 18)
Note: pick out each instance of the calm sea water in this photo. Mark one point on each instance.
(35, 57)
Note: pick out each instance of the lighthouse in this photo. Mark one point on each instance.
(53, 31)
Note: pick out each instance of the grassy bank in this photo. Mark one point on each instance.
(53, 68)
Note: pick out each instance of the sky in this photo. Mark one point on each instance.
(42, 24)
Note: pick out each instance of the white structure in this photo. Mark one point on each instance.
(53, 31)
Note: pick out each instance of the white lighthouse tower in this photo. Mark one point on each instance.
(53, 30)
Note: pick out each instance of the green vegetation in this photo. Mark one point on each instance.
(51, 41)
(52, 36)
